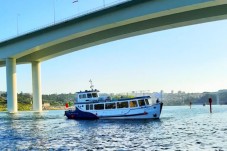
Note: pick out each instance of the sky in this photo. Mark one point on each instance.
(191, 58)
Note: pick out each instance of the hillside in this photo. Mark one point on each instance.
(58, 101)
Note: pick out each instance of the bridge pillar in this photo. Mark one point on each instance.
(11, 85)
(36, 86)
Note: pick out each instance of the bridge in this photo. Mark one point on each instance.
(131, 18)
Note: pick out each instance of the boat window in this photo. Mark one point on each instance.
(81, 96)
(89, 95)
(99, 106)
(94, 95)
(110, 105)
(91, 106)
(122, 104)
(133, 104)
(141, 102)
(87, 107)
(146, 101)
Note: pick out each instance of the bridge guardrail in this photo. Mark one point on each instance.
(80, 14)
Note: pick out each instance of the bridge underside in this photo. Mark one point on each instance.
(141, 25)
(129, 30)
(128, 19)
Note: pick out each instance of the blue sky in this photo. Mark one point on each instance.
(191, 58)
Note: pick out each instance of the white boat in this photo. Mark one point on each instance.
(89, 105)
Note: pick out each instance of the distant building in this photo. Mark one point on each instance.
(222, 91)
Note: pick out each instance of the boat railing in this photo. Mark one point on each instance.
(71, 108)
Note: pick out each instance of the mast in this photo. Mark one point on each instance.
(92, 86)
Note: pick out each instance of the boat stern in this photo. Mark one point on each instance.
(80, 115)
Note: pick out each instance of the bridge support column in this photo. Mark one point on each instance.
(11, 85)
(36, 87)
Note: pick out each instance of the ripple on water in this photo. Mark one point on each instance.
(178, 129)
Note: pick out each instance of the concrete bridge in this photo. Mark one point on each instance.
(131, 18)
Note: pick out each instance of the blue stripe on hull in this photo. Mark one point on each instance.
(80, 115)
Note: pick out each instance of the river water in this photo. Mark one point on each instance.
(179, 128)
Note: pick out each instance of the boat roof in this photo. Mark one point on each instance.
(140, 97)
(112, 101)
(88, 91)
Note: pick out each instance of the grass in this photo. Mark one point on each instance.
(3, 106)
(21, 107)
(28, 107)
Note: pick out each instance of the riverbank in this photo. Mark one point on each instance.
(28, 107)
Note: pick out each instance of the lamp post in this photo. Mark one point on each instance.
(75, 1)
(18, 24)
(54, 10)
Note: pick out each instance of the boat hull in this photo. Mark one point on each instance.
(146, 112)
(80, 115)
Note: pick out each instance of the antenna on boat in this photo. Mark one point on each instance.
(92, 86)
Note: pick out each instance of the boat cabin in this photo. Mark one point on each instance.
(118, 104)
(90, 100)
(87, 95)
